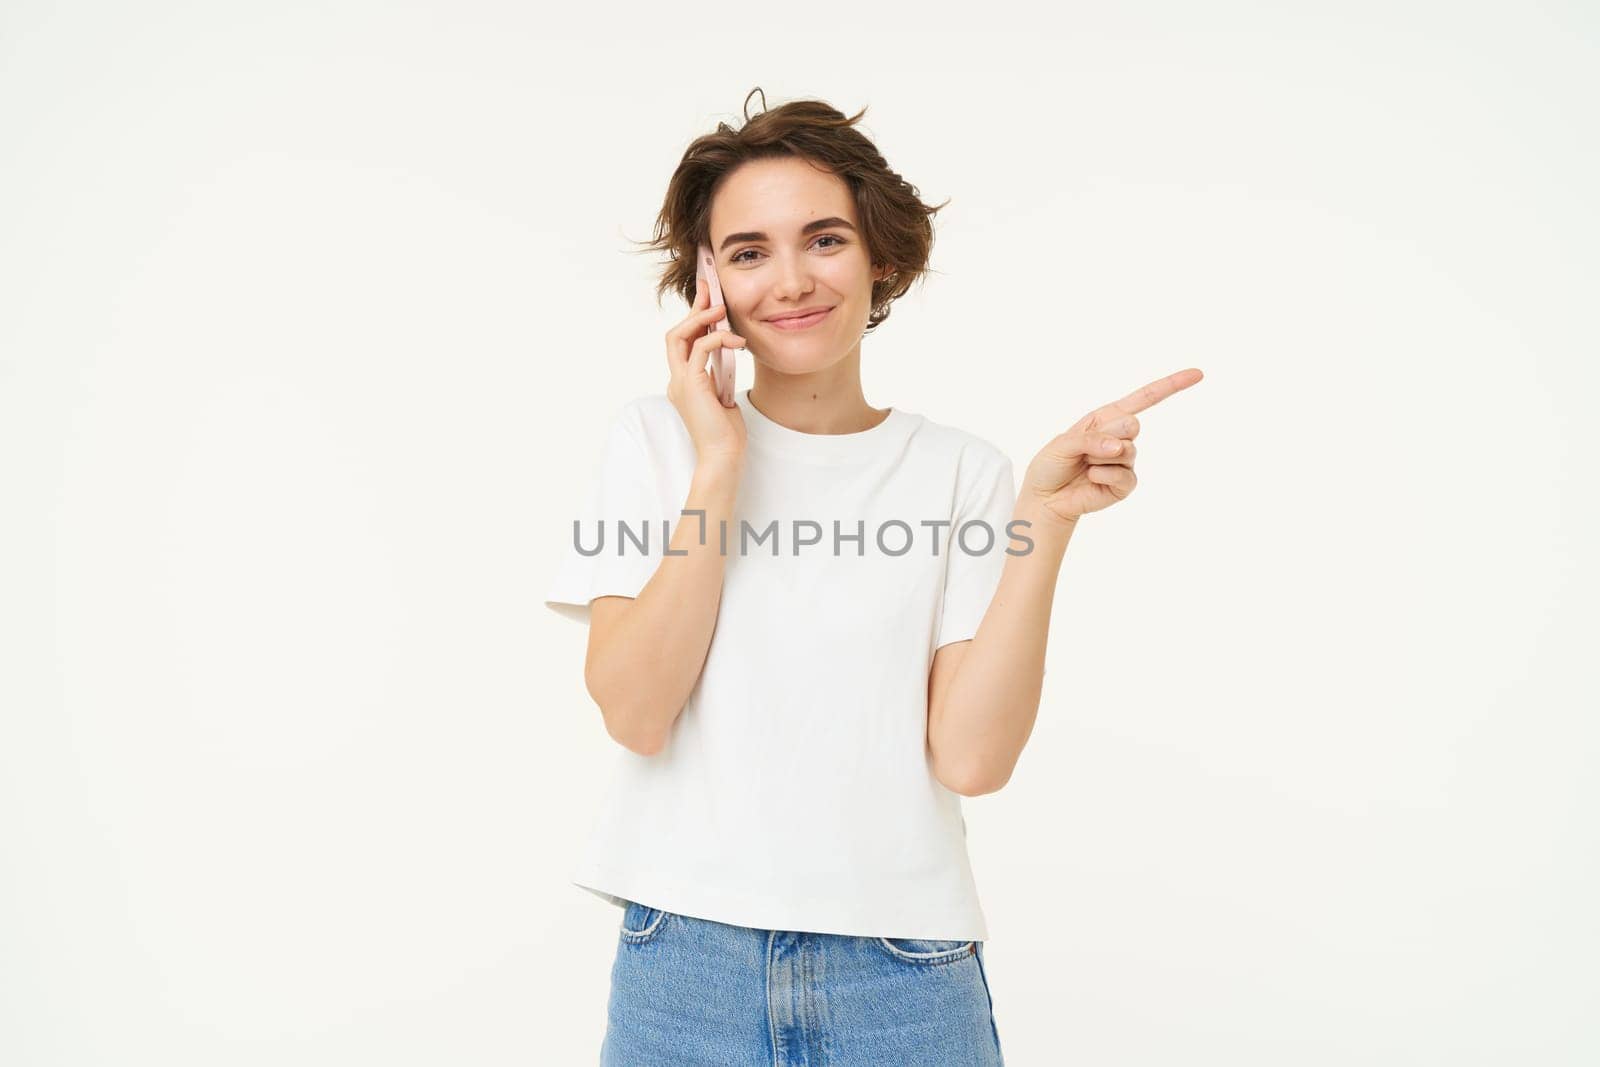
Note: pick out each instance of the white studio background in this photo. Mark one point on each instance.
(313, 316)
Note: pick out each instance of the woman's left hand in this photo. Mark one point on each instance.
(1090, 466)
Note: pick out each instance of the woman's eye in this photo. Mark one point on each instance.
(825, 237)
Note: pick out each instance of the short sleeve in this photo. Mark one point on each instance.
(598, 559)
(971, 573)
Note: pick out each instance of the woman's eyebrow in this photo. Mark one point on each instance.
(810, 227)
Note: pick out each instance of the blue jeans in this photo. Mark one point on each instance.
(688, 991)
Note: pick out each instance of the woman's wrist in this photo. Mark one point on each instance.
(1043, 522)
(718, 468)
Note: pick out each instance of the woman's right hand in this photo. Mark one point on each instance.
(717, 432)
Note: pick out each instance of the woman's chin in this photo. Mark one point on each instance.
(797, 370)
(787, 362)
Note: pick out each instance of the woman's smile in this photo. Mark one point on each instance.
(802, 323)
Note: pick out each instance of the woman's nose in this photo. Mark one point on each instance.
(793, 280)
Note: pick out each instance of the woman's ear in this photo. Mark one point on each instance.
(881, 273)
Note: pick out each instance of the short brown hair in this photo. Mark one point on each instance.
(896, 225)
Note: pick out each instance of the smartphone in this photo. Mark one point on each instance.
(723, 360)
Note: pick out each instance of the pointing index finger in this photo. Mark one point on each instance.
(1157, 391)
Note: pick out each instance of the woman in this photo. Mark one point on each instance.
(839, 634)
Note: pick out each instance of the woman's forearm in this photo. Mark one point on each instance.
(985, 717)
(642, 667)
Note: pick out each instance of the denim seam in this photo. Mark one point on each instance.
(946, 955)
(772, 1025)
(994, 1027)
(640, 936)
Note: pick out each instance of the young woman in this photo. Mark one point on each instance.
(838, 633)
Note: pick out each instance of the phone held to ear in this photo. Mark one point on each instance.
(722, 360)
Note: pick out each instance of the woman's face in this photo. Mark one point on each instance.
(769, 264)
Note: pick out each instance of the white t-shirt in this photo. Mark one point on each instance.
(795, 790)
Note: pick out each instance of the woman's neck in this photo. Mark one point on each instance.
(829, 401)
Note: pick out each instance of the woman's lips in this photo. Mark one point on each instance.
(799, 324)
